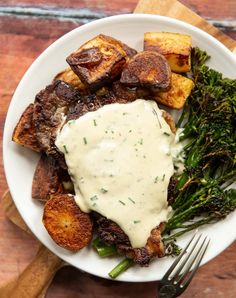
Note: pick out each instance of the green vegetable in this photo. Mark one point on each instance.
(120, 268)
(210, 165)
(104, 250)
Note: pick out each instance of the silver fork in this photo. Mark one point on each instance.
(178, 277)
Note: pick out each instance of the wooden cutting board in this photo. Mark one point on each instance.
(35, 279)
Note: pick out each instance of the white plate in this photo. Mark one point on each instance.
(20, 163)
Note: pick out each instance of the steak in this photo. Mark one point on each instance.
(50, 105)
(110, 233)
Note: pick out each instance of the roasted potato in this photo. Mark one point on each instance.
(24, 133)
(174, 46)
(48, 179)
(147, 69)
(99, 60)
(175, 98)
(72, 79)
(68, 226)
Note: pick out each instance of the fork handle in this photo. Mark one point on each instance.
(167, 291)
(34, 281)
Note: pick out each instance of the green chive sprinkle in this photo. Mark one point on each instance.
(94, 198)
(141, 142)
(163, 177)
(103, 190)
(94, 122)
(137, 221)
(85, 141)
(66, 151)
(156, 179)
(121, 202)
(166, 134)
(130, 130)
(131, 200)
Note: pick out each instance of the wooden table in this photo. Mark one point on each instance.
(27, 27)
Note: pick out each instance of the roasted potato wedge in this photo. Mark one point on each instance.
(68, 226)
(72, 79)
(174, 46)
(175, 98)
(147, 69)
(99, 61)
(48, 179)
(24, 133)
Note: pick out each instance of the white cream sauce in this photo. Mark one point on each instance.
(120, 161)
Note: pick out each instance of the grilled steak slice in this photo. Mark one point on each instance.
(110, 233)
(51, 104)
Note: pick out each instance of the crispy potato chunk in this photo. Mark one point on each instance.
(147, 69)
(174, 46)
(71, 78)
(99, 60)
(48, 179)
(68, 226)
(175, 98)
(24, 133)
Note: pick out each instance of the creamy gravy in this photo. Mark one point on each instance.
(119, 158)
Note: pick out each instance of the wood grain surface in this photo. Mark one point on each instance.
(27, 27)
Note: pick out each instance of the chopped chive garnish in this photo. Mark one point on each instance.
(71, 122)
(163, 177)
(106, 131)
(141, 141)
(121, 202)
(94, 122)
(85, 141)
(125, 114)
(112, 131)
(66, 151)
(131, 200)
(137, 221)
(156, 179)
(94, 204)
(144, 156)
(130, 130)
(166, 133)
(94, 198)
(103, 190)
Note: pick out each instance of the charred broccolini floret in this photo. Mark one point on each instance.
(210, 165)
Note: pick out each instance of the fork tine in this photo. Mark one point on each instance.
(185, 285)
(184, 262)
(187, 269)
(178, 259)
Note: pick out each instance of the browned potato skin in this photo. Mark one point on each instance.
(68, 226)
(24, 133)
(47, 179)
(71, 78)
(99, 61)
(147, 69)
(175, 98)
(175, 47)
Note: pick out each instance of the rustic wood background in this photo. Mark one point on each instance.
(27, 27)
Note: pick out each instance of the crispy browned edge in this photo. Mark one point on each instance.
(47, 179)
(24, 133)
(68, 226)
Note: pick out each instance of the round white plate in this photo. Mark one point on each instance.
(20, 163)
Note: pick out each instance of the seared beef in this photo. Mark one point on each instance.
(110, 233)
(50, 105)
